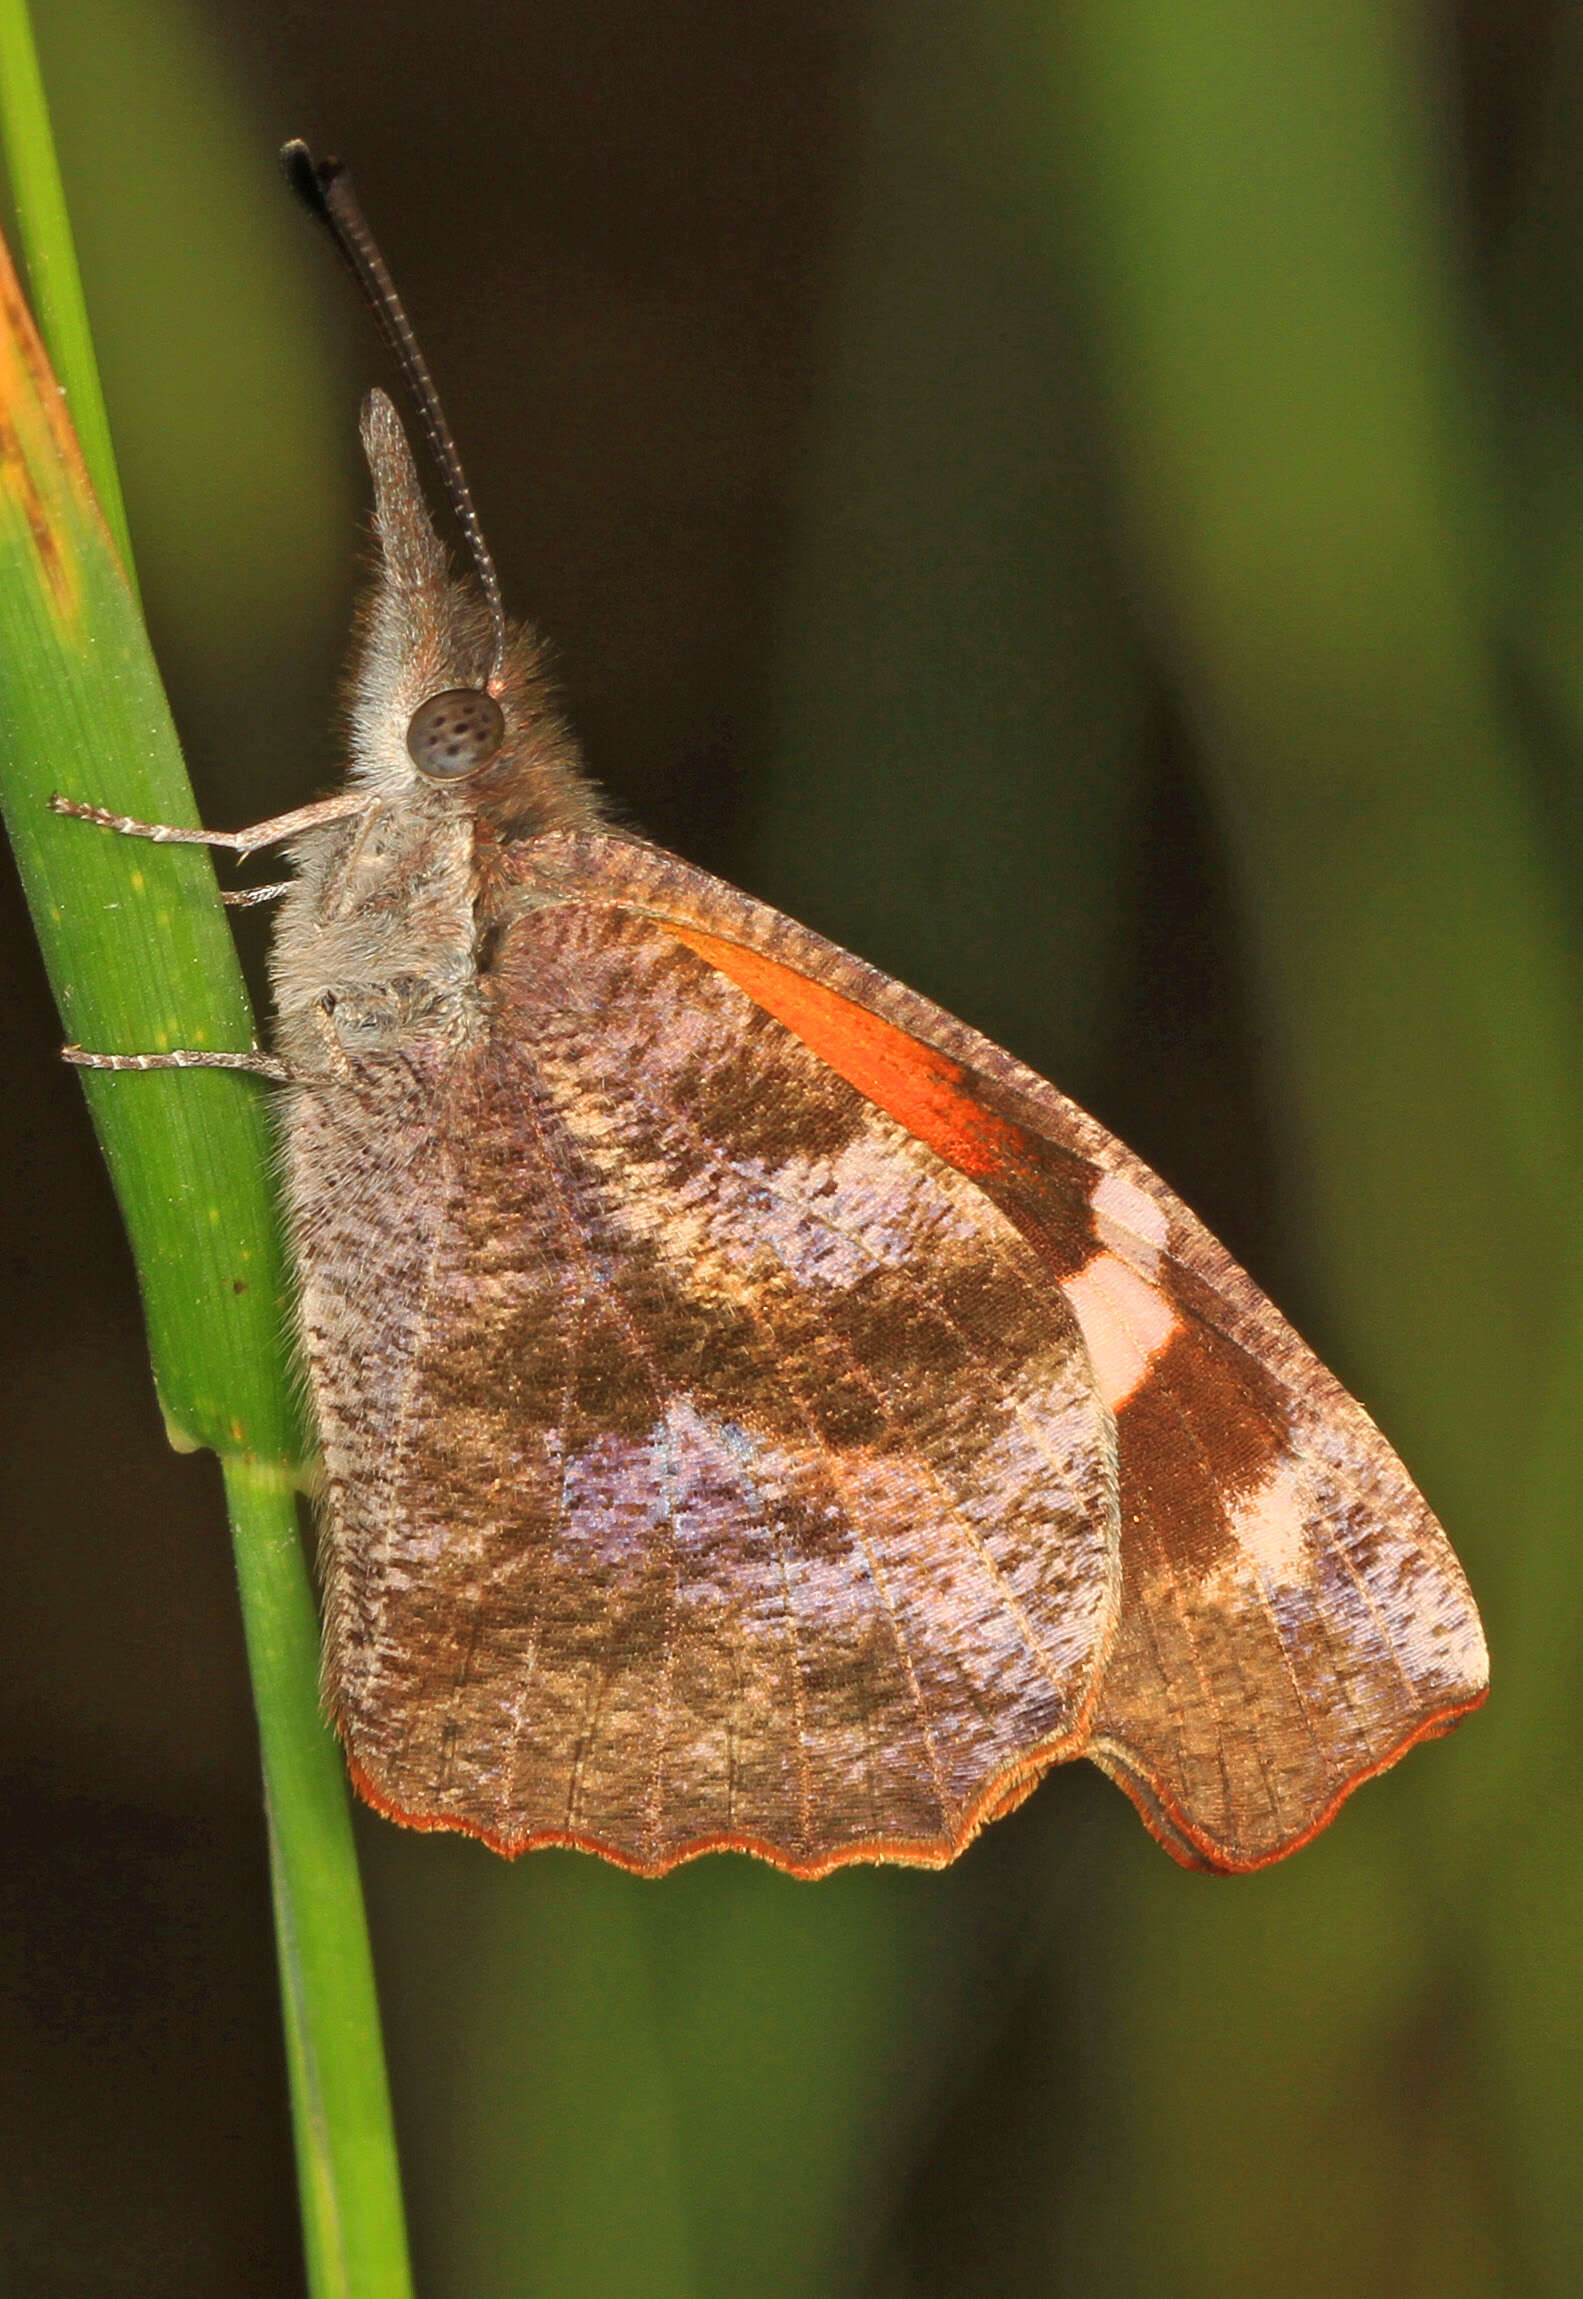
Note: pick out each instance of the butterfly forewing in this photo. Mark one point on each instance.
(1293, 1618)
(741, 1480)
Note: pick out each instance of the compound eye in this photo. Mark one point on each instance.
(453, 734)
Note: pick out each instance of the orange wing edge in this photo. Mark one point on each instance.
(1002, 1793)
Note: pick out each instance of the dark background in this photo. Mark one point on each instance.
(1083, 504)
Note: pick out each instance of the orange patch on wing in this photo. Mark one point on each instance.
(921, 1089)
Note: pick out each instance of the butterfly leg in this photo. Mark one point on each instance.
(250, 896)
(276, 830)
(338, 1069)
(183, 1058)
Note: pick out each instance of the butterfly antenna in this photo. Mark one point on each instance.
(325, 188)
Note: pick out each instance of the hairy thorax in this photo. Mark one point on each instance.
(376, 945)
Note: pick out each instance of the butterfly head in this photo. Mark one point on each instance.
(439, 703)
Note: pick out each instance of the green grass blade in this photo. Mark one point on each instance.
(141, 960)
(134, 939)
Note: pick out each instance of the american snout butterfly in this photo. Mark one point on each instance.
(757, 1412)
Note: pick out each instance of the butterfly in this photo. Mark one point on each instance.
(756, 1412)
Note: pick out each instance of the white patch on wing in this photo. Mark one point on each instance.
(1127, 1220)
(1270, 1527)
(1126, 1323)
(1456, 1655)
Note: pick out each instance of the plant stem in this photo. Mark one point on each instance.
(346, 2149)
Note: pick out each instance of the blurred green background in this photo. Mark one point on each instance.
(1083, 501)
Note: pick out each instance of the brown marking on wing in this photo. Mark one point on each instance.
(738, 1483)
(1201, 1431)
